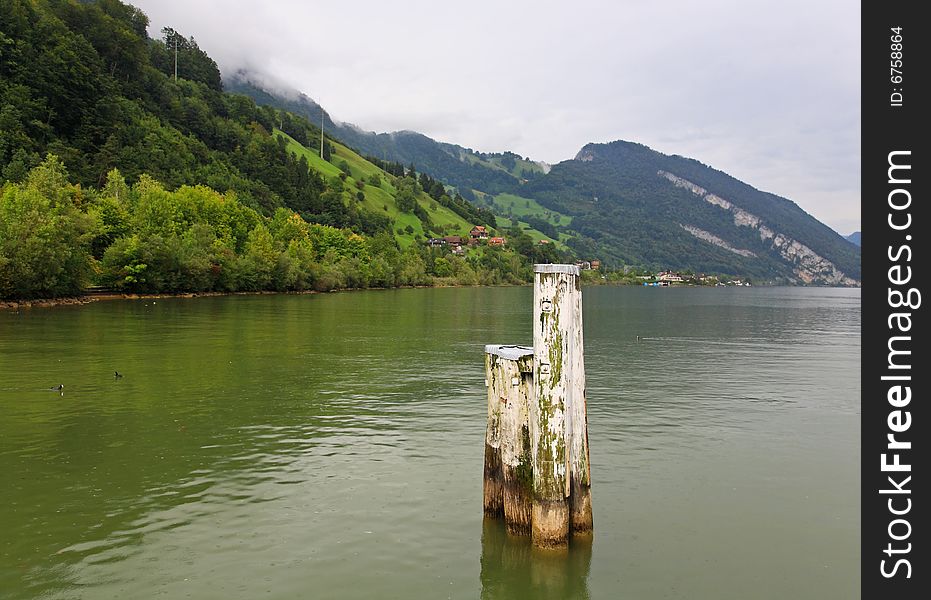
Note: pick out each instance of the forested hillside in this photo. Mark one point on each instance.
(83, 81)
(117, 172)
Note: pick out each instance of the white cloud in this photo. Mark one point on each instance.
(768, 91)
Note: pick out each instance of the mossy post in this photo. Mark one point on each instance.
(492, 482)
(510, 389)
(580, 476)
(536, 441)
(558, 423)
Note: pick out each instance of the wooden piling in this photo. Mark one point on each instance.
(511, 381)
(537, 471)
(580, 477)
(492, 482)
(551, 304)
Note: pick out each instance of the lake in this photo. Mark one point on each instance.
(331, 446)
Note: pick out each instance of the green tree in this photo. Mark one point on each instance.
(44, 237)
(260, 259)
(406, 198)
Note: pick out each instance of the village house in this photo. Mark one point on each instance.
(436, 242)
(478, 233)
(596, 264)
(496, 241)
(454, 240)
(670, 277)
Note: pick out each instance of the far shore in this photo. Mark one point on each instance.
(94, 297)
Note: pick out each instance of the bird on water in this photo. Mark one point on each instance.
(58, 387)
(117, 375)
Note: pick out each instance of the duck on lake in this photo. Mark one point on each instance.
(58, 387)
(117, 375)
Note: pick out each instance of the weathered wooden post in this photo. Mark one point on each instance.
(558, 416)
(536, 442)
(492, 490)
(580, 476)
(509, 475)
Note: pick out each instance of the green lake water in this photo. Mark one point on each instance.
(331, 446)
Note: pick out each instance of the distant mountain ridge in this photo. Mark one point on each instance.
(637, 206)
(456, 165)
(854, 238)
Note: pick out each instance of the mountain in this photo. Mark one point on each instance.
(854, 238)
(633, 205)
(621, 202)
(455, 165)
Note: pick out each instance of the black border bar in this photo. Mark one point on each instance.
(894, 426)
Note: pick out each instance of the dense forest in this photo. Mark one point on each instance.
(55, 238)
(118, 173)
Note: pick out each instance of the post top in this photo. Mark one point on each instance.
(569, 269)
(508, 352)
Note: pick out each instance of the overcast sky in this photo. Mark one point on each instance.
(768, 91)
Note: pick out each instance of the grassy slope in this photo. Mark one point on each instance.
(495, 163)
(313, 157)
(504, 223)
(520, 165)
(535, 209)
(379, 199)
(521, 206)
(474, 159)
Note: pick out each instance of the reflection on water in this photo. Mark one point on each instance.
(512, 568)
(332, 445)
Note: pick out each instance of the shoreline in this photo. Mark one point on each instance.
(83, 299)
(91, 298)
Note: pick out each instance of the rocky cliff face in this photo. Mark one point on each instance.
(586, 154)
(713, 239)
(807, 265)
